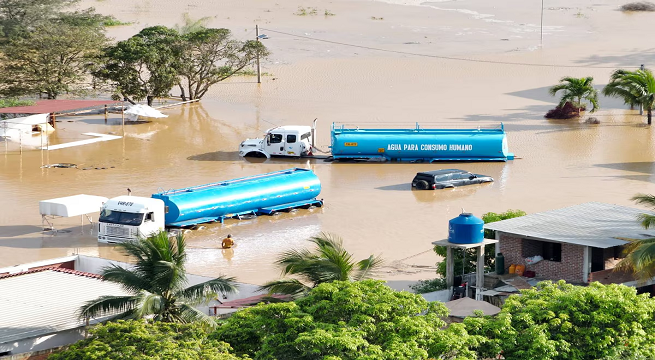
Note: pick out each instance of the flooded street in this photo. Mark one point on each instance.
(372, 206)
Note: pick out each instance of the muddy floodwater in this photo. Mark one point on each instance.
(371, 205)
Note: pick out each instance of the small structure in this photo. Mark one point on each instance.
(465, 232)
(580, 243)
(228, 307)
(59, 107)
(133, 112)
(461, 308)
(76, 205)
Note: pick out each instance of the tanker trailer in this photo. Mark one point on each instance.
(420, 145)
(129, 217)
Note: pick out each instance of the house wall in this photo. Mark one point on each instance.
(40, 343)
(515, 250)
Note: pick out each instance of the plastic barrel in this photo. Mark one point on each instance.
(500, 264)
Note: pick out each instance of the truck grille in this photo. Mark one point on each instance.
(117, 231)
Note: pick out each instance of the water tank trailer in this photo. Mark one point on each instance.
(128, 217)
(420, 145)
(414, 145)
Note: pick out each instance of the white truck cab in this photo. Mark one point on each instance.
(125, 218)
(290, 140)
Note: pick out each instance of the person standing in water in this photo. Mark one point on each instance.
(227, 242)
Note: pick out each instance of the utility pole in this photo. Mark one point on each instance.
(541, 42)
(641, 106)
(259, 69)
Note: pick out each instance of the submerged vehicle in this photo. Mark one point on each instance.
(447, 178)
(413, 145)
(129, 217)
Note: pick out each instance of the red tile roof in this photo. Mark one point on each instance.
(56, 106)
(58, 269)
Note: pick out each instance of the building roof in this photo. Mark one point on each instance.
(56, 106)
(466, 306)
(590, 224)
(45, 301)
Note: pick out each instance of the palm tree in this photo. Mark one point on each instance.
(576, 90)
(640, 254)
(328, 262)
(157, 284)
(634, 87)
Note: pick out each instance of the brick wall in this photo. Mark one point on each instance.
(569, 269)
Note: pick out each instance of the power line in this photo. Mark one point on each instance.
(440, 56)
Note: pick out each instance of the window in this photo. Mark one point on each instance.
(150, 216)
(291, 139)
(618, 252)
(275, 139)
(119, 217)
(552, 251)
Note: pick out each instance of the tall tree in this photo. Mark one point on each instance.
(328, 262)
(136, 339)
(634, 87)
(576, 90)
(51, 59)
(211, 56)
(348, 321)
(560, 321)
(145, 66)
(18, 16)
(640, 254)
(157, 283)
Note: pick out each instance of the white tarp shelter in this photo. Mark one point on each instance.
(133, 112)
(76, 205)
(21, 129)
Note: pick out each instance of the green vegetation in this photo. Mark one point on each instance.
(640, 254)
(634, 87)
(329, 13)
(468, 265)
(191, 25)
(11, 102)
(328, 262)
(347, 320)
(157, 283)
(137, 339)
(560, 321)
(576, 90)
(112, 21)
(376, 18)
(302, 11)
(638, 6)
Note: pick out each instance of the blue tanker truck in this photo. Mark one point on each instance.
(414, 145)
(127, 217)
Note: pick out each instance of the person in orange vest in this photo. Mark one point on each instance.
(227, 242)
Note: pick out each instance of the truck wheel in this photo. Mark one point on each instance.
(422, 185)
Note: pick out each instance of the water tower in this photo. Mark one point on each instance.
(465, 232)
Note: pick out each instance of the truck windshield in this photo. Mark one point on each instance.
(119, 217)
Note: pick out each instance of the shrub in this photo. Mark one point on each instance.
(427, 286)
(638, 6)
(568, 111)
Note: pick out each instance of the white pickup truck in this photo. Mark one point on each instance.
(291, 140)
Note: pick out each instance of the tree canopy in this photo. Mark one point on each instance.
(157, 283)
(329, 261)
(138, 340)
(347, 320)
(576, 90)
(560, 321)
(640, 253)
(634, 87)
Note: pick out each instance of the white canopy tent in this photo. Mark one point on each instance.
(76, 205)
(133, 112)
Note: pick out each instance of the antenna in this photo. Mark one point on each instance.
(129, 192)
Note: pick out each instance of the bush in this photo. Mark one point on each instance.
(427, 286)
(568, 111)
(638, 6)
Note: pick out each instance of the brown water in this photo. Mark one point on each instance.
(370, 205)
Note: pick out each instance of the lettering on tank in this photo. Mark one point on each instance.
(429, 147)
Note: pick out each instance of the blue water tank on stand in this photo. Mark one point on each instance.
(466, 229)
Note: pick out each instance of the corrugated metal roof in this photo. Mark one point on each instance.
(44, 302)
(589, 224)
(53, 268)
(56, 106)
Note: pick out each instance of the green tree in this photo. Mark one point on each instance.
(348, 320)
(328, 262)
(157, 283)
(576, 90)
(640, 254)
(560, 321)
(211, 56)
(634, 87)
(139, 340)
(51, 59)
(465, 261)
(144, 66)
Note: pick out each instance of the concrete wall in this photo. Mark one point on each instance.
(515, 250)
(42, 343)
